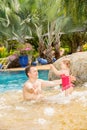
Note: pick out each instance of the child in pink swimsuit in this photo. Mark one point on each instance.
(66, 83)
(64, 73)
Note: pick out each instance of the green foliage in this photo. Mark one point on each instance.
(24, 49)
(35, 54)
(84, 47)
(3, 52)
(19, 18)
(77, 10)
(67, 50)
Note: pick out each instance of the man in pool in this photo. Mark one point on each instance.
(32, 89)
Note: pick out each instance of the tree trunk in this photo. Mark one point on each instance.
(41, 49)
(49, 54)
(57, 50)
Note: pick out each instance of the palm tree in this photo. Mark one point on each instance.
(23, 18)
(77, 12)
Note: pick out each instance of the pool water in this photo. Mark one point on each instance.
(15, 80)
(57, 112)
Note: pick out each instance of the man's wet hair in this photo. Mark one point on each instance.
(27, 69)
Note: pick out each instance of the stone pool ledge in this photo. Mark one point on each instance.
(39, 67)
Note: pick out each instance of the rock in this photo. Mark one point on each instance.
(78, 67)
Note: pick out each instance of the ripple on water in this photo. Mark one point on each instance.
(66, 112)
(49, 111)
(62, 99)
(40, 121)
(21, 108)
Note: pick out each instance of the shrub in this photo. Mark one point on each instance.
(3, 52)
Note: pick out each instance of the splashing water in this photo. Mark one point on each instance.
(56, 112)
(49, 111)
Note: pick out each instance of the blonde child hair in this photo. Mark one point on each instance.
(66, 62)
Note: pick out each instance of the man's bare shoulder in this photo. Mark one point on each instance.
(27, 84)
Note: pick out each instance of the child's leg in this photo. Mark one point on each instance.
(70, 90)
(67, 92)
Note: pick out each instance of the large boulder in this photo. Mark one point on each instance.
(78, 67)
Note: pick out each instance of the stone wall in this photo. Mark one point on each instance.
(78, 66)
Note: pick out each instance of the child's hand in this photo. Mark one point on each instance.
(72, 78)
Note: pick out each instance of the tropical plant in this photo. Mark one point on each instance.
(3, 52)
(85, 47)
(24, 49)
(20, 19)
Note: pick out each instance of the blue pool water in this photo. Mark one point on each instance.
(15, 80)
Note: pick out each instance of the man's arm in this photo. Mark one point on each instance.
(50, 83)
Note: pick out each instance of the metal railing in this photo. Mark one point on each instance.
(4, 62)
